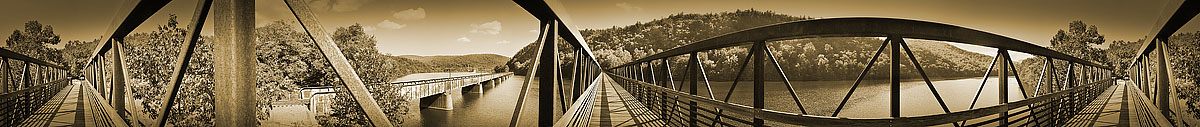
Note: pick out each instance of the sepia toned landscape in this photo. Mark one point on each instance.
(349, 63)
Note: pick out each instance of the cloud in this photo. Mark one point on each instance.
(369, 28)
(502, 42)
(629, 8)
(463, 39)
(410, 14)
(338, 5)
(492, 28)
(388, 24)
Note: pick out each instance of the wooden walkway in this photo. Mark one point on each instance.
(59, 111)
(616, 107)
(75, 106)
(1108, 110)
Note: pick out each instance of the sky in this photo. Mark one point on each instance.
(458, 27)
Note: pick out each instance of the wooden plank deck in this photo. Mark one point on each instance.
(616, 107)
(59, 111)
(1106, 110)
(77, 106)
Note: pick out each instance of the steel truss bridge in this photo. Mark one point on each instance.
(1069, 91)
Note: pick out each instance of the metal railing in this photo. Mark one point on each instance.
(1058, 95)
(585, 71)
(26, 83)
(1156, 100)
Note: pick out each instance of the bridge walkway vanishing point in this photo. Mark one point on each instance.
(1108, 109)
(617, 107)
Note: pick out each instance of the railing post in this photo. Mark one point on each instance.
(100, 77)
(1162, 76)
(1003, 86)
(694, 69)
(576, 90)
(759, 80)
(4, 77)
(118, 99)
(548, 65)
(894, 76)
(234, 63)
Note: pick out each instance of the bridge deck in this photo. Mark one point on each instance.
(1108, 109)
(61, 110)
(616, 107)
(70, 107)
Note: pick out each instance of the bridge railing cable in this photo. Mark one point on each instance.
(1058, 97)
(26, 83)
(1150, 73)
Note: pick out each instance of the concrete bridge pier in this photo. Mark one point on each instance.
(474, 88)
(443, 101)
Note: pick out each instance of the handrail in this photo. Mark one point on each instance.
(36, 82)
(864, 27)
(1138, 100)
(106, 113)
(580, 112)
(9, 54)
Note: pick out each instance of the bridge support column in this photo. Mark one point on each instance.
(450, 96)
(234, 63)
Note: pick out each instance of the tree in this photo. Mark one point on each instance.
(150, 61)
(1080, 40)
(287, 61)
(1121, 53)
(1184, 57)
(75, 53)
(374, 70)
(34, 41)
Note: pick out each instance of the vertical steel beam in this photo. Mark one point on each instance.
(4, 78)
(119, 77)
(759, 80)
(234, 63)
(691, 74)
(340, 64)
(548, 65)
(532, 70)
(894, 76)
(1163, 80)
(103, 76)
(1003, 86)
(182, 60)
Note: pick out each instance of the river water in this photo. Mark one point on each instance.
(871, 100)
